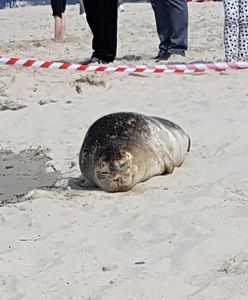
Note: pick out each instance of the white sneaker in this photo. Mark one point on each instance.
(121, 8)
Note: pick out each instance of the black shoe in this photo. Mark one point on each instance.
(180, 53)
(162, 55)
(166, 55)
(94, 60)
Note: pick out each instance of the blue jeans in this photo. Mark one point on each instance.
(172, 25)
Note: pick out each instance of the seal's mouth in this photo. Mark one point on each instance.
(115, 183)
(103, 175)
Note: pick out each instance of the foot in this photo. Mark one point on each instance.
(59, 41)
(59, 30)
(121, 8)
(94, 60)
(177, 58)
(166, 55)
(162, 56)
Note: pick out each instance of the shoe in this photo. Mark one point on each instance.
(177, 58)
(94, 60)
(162, 56)
(180, 53)
(166, 55)
(121, 8)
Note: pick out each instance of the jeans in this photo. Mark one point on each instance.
(172, 25)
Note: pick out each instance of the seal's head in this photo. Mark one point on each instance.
(114, 169)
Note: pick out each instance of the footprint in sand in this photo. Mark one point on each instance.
(11, 105)
(3, 89)
(88, 80)
(237, 265)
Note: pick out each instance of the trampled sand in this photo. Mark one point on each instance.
(176, 237)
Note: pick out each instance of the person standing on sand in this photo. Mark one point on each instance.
(102, 16)
(236, 30)
(82, 10)
(58, 8)
(172, 27)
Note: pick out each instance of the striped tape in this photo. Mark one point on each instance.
(165, 68)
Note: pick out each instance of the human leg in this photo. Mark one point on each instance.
(81, 7)
(102, 20)
(231, 11)
(178, 10)
(59, 30)
(58, 8)
(58, 36)
(243, 31)
(163, 24)
(63, 26)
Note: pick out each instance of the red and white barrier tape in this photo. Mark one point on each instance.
(167, 68)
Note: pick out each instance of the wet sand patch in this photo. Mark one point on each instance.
(23, 172)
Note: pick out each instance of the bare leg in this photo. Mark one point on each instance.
(63, 26)
(59, 30)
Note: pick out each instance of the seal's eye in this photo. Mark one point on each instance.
(105, 173)
(123, 167)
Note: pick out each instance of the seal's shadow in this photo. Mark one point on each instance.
(80, 183)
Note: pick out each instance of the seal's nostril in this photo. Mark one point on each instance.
(103, 175)
(118, 180)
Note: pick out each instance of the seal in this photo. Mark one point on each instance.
(122, 149)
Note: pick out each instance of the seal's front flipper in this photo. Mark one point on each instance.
(169, 164)
(189, 144)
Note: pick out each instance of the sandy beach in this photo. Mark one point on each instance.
(181, 236)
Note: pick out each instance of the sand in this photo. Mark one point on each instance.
(23, 172)
(181, 236)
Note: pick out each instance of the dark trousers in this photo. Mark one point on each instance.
(172, 24)
(102, 19)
